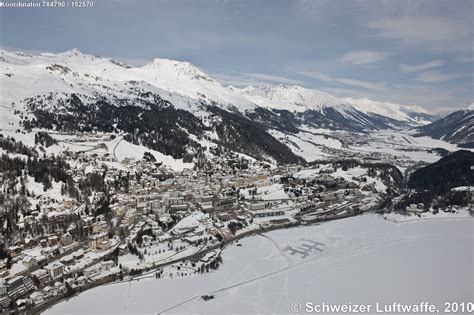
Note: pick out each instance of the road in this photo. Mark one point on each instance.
(115, 148)
(202, 251)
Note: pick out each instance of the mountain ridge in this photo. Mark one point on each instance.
(186, 79)
(40, 87)
(457, 127)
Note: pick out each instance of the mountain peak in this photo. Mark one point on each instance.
(289, 87)
(178, 69)
(292, 97)
(161, 62)
(72, 54)
(74, 51)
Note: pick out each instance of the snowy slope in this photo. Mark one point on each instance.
(179, 82)
(45, 84)
(299, 99)
(73, 71)
(186, 79)
(396, 111)
(313, 107)
(457, 127)
(291, 98)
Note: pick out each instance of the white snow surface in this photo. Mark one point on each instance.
(181, 83)
(192, 221)
(387, 109)
(289, 97)
(362, 260)
(299, 99)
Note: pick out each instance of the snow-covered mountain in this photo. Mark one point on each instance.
(72, 70)
(457, 127)
(298, 99)
(186, 79)
(174, 107)
(171, 107)
(323, 110)
(292, 98)
(406, 113)
(91, 72)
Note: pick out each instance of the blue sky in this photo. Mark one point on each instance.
(410, 52)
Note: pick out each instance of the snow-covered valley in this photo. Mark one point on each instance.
(236, 157)
(423, 260)
(104, 166)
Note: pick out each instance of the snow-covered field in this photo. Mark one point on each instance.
(99, 144)
(403, 145)
(363, 259)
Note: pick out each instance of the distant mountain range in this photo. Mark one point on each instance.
(299, 99)
(174, 107)
(457, 127)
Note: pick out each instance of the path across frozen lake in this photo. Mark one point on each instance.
(361, 260)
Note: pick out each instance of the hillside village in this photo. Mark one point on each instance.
(121, 180)
(115, 220)
(236, 157)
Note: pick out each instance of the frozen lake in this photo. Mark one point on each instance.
(362, 260)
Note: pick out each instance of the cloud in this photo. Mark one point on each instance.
(242, 79)
(425, 96)
(415, 68)
(433, 97)
(331, 79)
(361, 57)
(432, 32)
(353, 93)
(436, 76)
(465, 59)
(322, 9)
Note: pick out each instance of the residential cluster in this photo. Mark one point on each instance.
(140, 216)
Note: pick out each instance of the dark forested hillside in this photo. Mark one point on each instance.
(158, 125)
(351, 120)
(282, 120)
(457, 127)
(451, 171)
(431, 186)
(241, 134)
